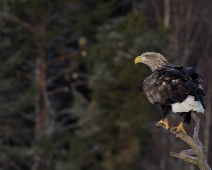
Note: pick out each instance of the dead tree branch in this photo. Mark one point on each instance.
(194, 155)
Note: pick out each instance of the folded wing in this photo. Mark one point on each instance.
(171, 84)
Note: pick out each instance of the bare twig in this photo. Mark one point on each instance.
(194, 155)
(26, 75)
(18, 20)
(49, 80)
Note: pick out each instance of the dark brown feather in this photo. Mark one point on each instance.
(170, 84)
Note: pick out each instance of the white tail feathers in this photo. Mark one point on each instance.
(187, 105)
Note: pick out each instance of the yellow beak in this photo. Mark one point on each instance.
(138, 59)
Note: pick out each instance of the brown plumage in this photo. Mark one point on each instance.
(174, 88)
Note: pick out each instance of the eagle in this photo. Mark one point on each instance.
(173, 88)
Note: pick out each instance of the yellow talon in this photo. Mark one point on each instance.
(163, 122)
(180, 128)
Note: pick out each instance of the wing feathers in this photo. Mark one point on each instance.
(171, 84)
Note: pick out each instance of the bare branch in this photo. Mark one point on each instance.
(49, 80)
(26, 75)
(18, 20)
(196, 131)
(57, 90)
(194, 155)
(185, 157)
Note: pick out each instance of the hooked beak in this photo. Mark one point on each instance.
(139, 59)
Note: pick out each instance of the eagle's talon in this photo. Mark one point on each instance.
(179, 128)
(164, 123)
(176, 131)
(158, 126)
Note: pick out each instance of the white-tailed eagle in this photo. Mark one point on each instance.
(173, 88)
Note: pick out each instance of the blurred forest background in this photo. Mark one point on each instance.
(71, 97)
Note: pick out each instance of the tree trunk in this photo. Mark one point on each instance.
(207, 121)
(41, 104)
(166, 13)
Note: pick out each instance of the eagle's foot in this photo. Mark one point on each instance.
(164, 123)
(179, 128)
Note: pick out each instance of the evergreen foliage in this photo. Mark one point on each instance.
(114, 125)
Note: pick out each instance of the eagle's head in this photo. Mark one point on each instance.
(152, 59)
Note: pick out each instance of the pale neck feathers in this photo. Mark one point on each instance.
(156, 63)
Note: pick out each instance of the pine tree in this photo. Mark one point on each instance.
(38, 72)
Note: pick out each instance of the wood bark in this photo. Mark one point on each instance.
(41, 104)
(195, 155)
